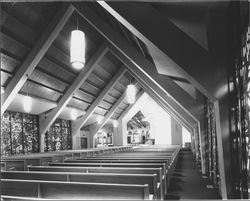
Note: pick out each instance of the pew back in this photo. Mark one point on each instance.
(78, 190)
(150, 179)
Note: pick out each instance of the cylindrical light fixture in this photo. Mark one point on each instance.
(131, 93)
(2, 90)
(27, 103)
(73, 114)
(99, 119)
(115, 123)
(77, 49)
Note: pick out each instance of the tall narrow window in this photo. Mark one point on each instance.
(59, 136)
(19, 133)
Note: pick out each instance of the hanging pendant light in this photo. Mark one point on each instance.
(27, 103)
(131, 93)
(2, 90)
(115, 123)
(99, 119)
(73, 114)
(77, 48)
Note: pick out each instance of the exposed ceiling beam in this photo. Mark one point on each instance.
(140, 63)
(189, 57)
(138, 96)
(137, 121)
(110, 113)
(81, 121)
(36, 54)
(158, 92)
(182, 118)
(47, 121)
(165, 102)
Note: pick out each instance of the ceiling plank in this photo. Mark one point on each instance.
(46, 122)
(36, 54)
(110, 113)
(141, 65)
(81, 121)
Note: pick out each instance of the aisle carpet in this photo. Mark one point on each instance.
(187, 181)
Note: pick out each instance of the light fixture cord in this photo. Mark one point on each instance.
(76, 20)
(27, 86)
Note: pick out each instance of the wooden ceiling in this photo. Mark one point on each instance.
(138, 121)
(22, 24)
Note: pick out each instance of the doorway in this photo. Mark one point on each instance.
(84, 143)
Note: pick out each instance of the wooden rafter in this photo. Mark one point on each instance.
(91, 64)
(81, 121)
(110, 113)
(128, 54)
(36, 55)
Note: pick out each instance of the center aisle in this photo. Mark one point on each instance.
(187, 181)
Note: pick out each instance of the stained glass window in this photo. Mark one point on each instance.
(211, 150)
(59, 136)
(19, 133)
(240, 117)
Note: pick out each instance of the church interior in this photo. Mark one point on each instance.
(125, 100)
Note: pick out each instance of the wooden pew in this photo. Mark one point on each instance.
(22, 198)
(121, 170)
(19, 165)
(139, 179)
(147, 154)
(73, 190)
(167, 161)
(58, 156)
(117, 160)
(132, 164)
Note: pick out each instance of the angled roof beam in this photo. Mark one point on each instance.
(141, 64)
(188, 59)
(36, 54)
(132, 121)
(81, 121)
(182, 118)
(179, 118)
(137, 122)
(45, 123)
(151, 86)
(110, 113)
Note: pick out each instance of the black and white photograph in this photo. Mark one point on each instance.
(125, 100)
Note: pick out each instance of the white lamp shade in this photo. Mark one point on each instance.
(131, 93)
(77, 49)
(2, 90)
(99, 119)
(115, 123)
(73, 114)
(27, 103)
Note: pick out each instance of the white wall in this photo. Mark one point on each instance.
(186, 136)
(159, 119)
(161, 127)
